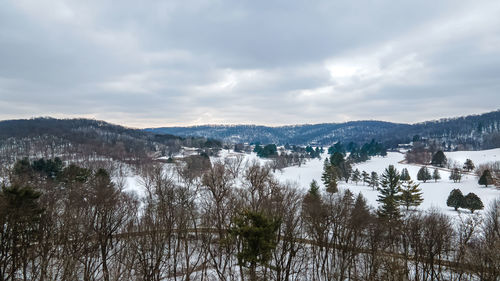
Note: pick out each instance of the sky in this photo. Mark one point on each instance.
(191, 62)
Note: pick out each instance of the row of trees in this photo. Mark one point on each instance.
(359, 154)
(228, 222)
(455, 175)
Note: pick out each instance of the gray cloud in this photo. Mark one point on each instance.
(158, 63)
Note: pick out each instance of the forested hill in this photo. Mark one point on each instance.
(297, 134)
(475, 131)
(49, 137)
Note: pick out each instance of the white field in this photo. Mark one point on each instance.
(434, 193)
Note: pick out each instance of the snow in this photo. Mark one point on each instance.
(133, 185)
(303, 175)
(434, 193)
(477, 157)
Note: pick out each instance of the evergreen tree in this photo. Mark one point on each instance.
(337, 147)
(345, 169)
(343, 166)
(439, 159)
(388, 194)
(405, 176)
(314, 189)
(473, 202)
(20, 216)
(330, 173)
(258, 148)
(435, 175)
(411, 195)
(330, 176)
(486, 178)
(360, 211)
(356, 176)
(366, 177)
(455, 175)
(374, 180)
(455, 199)
(332, 187)
(337, 158)
(424, 174)
(257, 234)
(469, 165)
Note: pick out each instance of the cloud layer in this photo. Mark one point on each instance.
(157, 63)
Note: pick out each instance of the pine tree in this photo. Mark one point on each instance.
(424, 174)
(330, 176)
(344, 167)
(314, 189)
(332, 187)
(405, 176)
(356, 176)
(439, 159)
(388, 194)
(469, 165)
(411, 195)
(257, 234)
(366, 177)
(473, 202)
(374, 180)
(337, 158)
(455, 175)
(486, 178)
(435, 175)
(330, 173)
(455, 199)
(20, 216)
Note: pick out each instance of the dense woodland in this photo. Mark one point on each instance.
(469, 132)
(226, 221)
(88, 140)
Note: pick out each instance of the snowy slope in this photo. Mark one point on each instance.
(434, 193)
(478, 157)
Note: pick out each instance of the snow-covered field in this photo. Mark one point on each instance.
(434, 193)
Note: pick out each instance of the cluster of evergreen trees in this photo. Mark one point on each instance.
(395, 192)
(271, 150)
(424, 174)
(314, 152)
(470, 201)
(266, 151)
(359, 154)
(339, 167)
(371, 179)
(335, 168)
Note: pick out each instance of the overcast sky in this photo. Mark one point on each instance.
(191, 62)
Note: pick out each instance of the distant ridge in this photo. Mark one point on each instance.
(474, 131)
(47, 137)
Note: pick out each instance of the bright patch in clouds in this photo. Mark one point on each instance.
(157, 63)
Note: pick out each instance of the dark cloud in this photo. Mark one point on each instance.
(153, 63)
